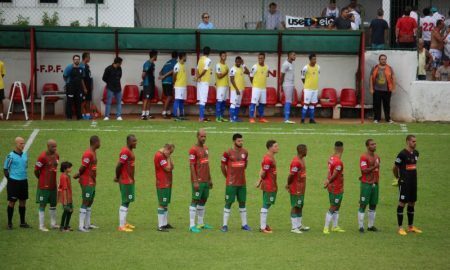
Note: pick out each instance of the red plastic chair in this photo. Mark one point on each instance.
(155, 98)
(105, 95)
(17, 98)
(348, 97)
(191, 96)
(271, 96)
(331, 98)
(247, 97)
(294, 98)
(212, 96)
(130, 94)
(50, 87)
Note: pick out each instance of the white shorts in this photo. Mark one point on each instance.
(258, 96)
(235, 100)
(222, 93)
(180, 93)
(202, 92)
(288, 93)
(310, 96)
(437, 56)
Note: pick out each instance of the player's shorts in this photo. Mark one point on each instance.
(288, 93)
(437, 55)
(233, 192)
(148, 92)
(335, 199)
(164, 195)
(202, 193)
(2, 94)
(168, 89)
(127, 193)
(310, 96)
(17, 190)
(180, 93)
(297, 200)
(269, 198)
(67, 207)
(87, 193)
(202, 92)
(407, 190)
(236, 99)
(258, 96)
(87, 96)
(46, 196)
(222, 93)
(368, 194)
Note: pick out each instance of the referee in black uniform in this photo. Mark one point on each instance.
(406, 172)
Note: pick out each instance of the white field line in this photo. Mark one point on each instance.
(27, 146)
(27, 123)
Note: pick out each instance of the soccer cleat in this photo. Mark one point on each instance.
(106, 118)
(302, 121)
(375, 121)
(129, 226)
(43, 229)
(304, 228)
(224, 119)
(168, 226)
(395, 182)
(83, 230)
(69, 229)
(178, 119)
(252, 120)
(372, 229)
(162, 229)
(246, 228)
(143, 117)
(54, 227)
(326, 230)
(123, 229)
(204, 226)
(9, 227)
(265, 230)
(224, 228)
(361, 230)
(263, 120)
(391, 121)
(91, 227)
(119, 118)
(312, 121)
(337, 229)
(25, 226)
(194, 229)
(289, 122)
(414, 229)
(268, 228)
(296, 230)
(204, 120)
(402, 232)
(150, 117)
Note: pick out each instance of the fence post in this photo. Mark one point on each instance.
(96, 13)
(174, 11)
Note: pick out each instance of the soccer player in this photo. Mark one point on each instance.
(45, 170)
(222, 85)
(310, 79)
(335, 185)
(201, 182)
(65, 195)
(296, 185)
(258, 77)
(180, 86)
(163, 170)
(125, 178)
(148, 75)
(369, 164)
(237, 81)
(88, 82)
(166, 75)
(405, 171)
(88, 180)
(233, 166)
(287, 81)
(268, 183)
(202, 78)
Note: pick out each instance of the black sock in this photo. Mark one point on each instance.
(22, 214)
(63, 219)
(410, 211)
(400, 215)
(69, 215)
(10, 211)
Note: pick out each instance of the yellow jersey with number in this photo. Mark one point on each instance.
(181, 75)
(221, 69)
(239, 79)
(311, 76)
(204, 63)
(259, 75)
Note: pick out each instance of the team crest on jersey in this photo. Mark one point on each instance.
(39, 164)
(243, 155)
(124, 157)
(206, 151)
(86, 160)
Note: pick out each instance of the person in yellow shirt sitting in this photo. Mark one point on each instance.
(258, 77)
(310, 79)
(222, 85)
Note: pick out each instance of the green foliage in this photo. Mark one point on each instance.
(22, 21)
(75, 23)
(2, 20)
(52, 20)
(90, 22)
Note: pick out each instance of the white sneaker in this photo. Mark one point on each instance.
(375, 121)
(296, 230)
(119, 118)
(43, 229)
(55, 226)
(91, 227)
(106, 118)
(289, 122)
(304, 228)
(164, 113)
(81, 229)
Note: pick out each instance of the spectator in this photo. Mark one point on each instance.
(2, 87)
(424, 60)
(15, 170)
(112, 76)
(205, 24)
(75, 88)
(447, 42)
(331, 10)
(413, 14)
(447, 21)
(437, 45)
(443, 72)
(343, 22)
(436, 15)
(427, 24)
(378, 31)
(355, 17)
(273, 20)
(148, 93)
(405, 30)
(166, 75)
(382, 85)
(357, 7)
(89, 83)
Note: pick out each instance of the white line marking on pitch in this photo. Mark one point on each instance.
(27, 146)
(94, 124)
(27, 123)
(403, 128)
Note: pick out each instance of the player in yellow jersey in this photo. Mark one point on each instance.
(202, 77)
(222, 85)
(180, 85)
(258, 77)
(237, 81)
(310, 79)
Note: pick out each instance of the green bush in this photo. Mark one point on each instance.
(48, 20)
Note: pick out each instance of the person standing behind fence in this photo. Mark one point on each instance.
(378, 31)
(166, 76)
(343, 22)
(2, 87)
(205, 24)
(405, 30)
(148, 75)
(273, 19)
(88, 82)
(437, 45)
(382, 85)
(427, 24)
(75, 88)
(112, 76)
(331, 10)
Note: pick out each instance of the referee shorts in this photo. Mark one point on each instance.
(17, 190)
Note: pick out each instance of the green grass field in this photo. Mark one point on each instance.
(106, 248)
